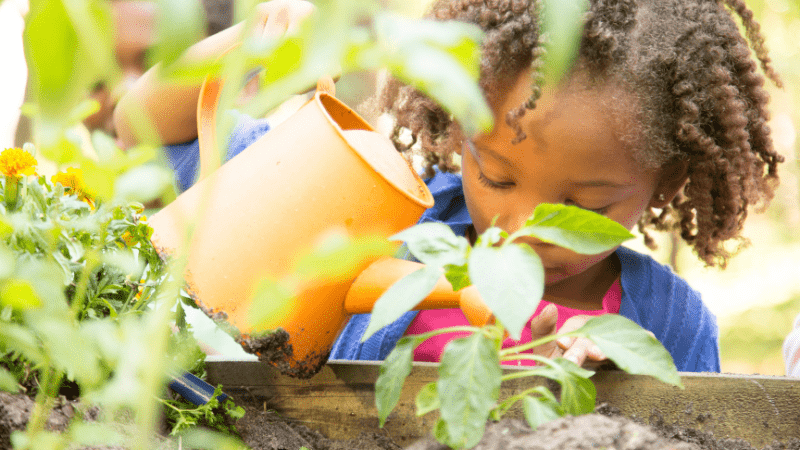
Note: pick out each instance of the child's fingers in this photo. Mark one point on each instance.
(579, 351)
(546, 324)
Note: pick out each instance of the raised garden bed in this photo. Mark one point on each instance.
(339, 402)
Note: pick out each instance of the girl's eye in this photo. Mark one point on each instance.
(494, 184)
(602, 210)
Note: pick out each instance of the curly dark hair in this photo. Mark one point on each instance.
(701, 99)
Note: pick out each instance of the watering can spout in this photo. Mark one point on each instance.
(324, 167)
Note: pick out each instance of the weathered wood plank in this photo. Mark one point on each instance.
(340, 400)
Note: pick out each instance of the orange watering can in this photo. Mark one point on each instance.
(324, 167)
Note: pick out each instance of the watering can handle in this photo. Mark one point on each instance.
(207, 106)
(378, 276)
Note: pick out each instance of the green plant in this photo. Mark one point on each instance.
(510, 279)
(84, 297)
(214, 414)
(79, 294)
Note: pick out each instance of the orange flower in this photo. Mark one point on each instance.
(72, 180)
(16, 162)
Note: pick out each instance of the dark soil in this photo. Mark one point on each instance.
(267, 430)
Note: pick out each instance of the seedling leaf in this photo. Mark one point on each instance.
(576, 229)
(458, 276)
(541, 409)
(392, 375)
(402, 297)
(468, 387)
(8, 382)
(631, 348)
(435, 244)
(578, 393)
(427, 399)
(510, 280)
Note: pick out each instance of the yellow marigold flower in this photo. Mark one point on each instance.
(16, 162)
(72, 180)
(127, 237)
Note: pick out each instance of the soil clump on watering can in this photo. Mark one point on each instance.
(275, 348)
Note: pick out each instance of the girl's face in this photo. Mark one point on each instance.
(574, 154)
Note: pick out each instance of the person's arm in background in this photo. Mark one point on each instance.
(170, 107)
(791, 350)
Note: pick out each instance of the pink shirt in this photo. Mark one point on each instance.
(434, 319)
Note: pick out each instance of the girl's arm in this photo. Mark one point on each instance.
(171, 108)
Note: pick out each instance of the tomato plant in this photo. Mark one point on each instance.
(510, 279)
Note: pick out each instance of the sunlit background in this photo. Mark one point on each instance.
(755, 299)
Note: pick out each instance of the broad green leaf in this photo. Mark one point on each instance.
(98, 179)
(23, 340)
(51, 48)
(434, 244)
(180, 24)
(8, 382)
(402, 297)
(70, 350)
(61, 150)
(96, 434)
(338, 256)
(441, 60)
(491, 236)
(427, 399)
(630, 347)
(458, 276)
(574, 228)
(19, 294)
(578, 393)
(468, 387)
(143, 183)
(284, 60)
(541, 409)
(510, 280)
(440, 431)
(392, 375)
(272, 299)
(562, 25)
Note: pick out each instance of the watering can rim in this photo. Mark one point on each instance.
(207, 107)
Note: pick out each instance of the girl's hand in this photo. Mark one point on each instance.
(581, 351)
(545, 324)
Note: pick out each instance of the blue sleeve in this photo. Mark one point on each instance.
(663, 303)
(184, 159)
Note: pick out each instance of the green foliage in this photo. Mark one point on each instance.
(184, 416)
(510, 279)
(562, 26)
(82, 295)
(509, 276)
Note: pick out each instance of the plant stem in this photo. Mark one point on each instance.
(11, 191)
(80, 287)
(527, 373)
(465, 329)
(45, 399)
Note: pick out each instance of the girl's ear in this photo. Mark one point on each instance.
(673, 178)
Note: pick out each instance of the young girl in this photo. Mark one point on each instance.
(661, 123)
